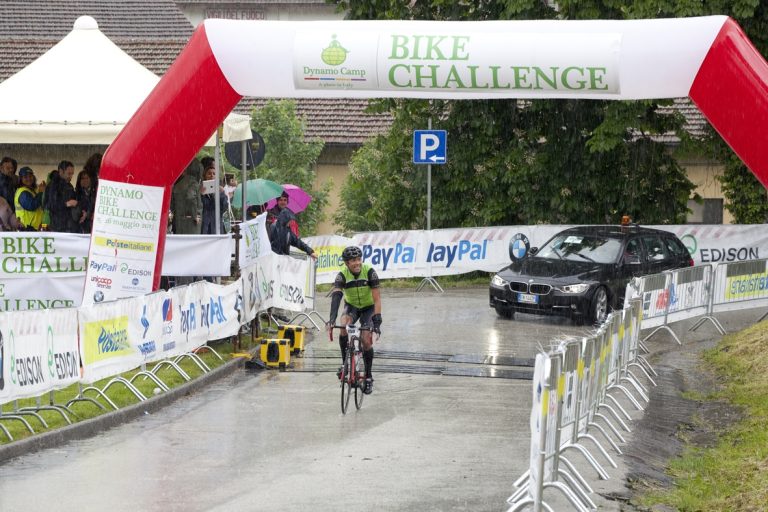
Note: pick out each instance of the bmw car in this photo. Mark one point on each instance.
(582, 272)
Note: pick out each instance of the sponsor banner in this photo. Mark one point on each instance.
(41, 292)
(198, 255)
(281, 282)
(190, 329)
(255, 241)
(722, 243)
(122, 254)
(739, 282)
(251, 292)
(152, 326)
(456, 251)
(38, 353)
(47, 270)
(106, 339)
(460, 58)
(26, 255)
(221, 309)
(328, 251)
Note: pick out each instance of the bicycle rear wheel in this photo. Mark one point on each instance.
(346, 388)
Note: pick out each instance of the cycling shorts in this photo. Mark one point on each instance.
(365, 315)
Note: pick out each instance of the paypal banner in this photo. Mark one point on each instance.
(38, 353)
(457, 251)
(107, 347)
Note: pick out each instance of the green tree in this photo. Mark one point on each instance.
(513, 162)
(289, 157)
(510, 162)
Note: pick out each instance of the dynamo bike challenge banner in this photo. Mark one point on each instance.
(47, 270)
(456, 251)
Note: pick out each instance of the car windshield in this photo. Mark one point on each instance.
(590, 248)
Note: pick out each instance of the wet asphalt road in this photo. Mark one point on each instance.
(277, 441)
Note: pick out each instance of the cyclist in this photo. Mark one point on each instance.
(358, 283)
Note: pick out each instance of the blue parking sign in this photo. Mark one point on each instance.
(430, 146)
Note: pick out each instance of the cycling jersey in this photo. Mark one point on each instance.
(357, 289)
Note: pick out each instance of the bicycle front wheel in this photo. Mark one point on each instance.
(359, 395)
(346, 389)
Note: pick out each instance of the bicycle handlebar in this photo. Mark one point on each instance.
(332, 327)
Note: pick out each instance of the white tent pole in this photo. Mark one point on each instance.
(217, 163)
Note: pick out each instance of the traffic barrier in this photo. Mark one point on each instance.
(740, 285)
(572, 404)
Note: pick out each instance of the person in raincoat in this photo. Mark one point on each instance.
(186, 202)
(282, 237)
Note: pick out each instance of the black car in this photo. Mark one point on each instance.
(583, 272)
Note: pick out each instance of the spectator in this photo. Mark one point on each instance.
(8, 221)
(28, 200)
(92, 167)
(274, 213)
(60, 200)
(209, 206)
(85, 194)
(186, 202)
(282, 238)
(230, 187)
(8, 180)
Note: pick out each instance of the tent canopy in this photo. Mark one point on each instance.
(82, 91)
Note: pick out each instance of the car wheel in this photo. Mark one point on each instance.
(507, 313)
(599, 308)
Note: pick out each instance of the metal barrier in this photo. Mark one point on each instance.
(584, 374)
(309, 295)
(572, 390)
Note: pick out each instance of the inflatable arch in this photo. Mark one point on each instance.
(709, 59)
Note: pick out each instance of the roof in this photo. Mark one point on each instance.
(118, 19)
(252, 2)
(334, 121)
(612, 231)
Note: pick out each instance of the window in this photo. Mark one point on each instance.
(676, 248)
(654, 247)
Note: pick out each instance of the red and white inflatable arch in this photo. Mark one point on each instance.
(708, 59)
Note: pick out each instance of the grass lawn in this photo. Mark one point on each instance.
(117, 393)
(733, 474)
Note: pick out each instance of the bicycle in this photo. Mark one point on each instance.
(352, 359)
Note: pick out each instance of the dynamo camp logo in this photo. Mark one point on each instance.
(333, 69)
(335, 54)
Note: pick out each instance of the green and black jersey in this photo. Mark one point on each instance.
(357, 289)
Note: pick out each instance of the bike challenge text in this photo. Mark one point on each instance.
(445, 254)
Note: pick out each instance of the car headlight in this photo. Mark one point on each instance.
(574, 288)
(497, 281)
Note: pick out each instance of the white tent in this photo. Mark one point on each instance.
(81, 91)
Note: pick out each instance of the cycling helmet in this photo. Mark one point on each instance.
(351, 253)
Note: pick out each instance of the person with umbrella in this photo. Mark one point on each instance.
(294, 199)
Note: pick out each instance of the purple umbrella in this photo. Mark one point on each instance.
(297, 198)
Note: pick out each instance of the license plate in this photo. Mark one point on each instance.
(527, 298)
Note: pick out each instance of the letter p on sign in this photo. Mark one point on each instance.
(429, 146)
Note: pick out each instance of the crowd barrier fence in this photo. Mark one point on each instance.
(42, 351)
(575, 382)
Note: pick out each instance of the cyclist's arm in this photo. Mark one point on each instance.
(373, 282)
(336, 296)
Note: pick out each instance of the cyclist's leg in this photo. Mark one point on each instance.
(349, 315)
(366, 338)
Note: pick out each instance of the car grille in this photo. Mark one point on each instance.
(535, 288)
(517, 286)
